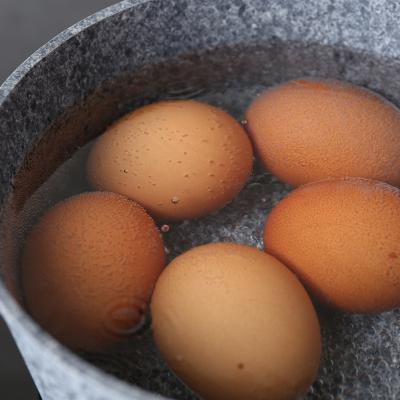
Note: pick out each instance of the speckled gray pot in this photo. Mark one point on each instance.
(223, 51)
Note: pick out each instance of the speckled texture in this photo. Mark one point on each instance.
(136, 52)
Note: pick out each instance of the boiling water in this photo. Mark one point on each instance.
(360, 358)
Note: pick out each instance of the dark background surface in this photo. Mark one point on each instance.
(25, 25)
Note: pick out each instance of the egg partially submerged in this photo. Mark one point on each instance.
(89, 267)
(342, 238)
(179, 159)
(235, 323)
(306, 130)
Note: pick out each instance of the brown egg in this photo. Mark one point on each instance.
(311, 129)
(178, 159)
(89, 268)
(342, 238)
(235, 323)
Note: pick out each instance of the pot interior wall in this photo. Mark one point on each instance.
(354, 364)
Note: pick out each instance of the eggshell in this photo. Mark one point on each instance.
(89, 268)
(311, 129)
(178, 159)
(235, 323)
(342, 238)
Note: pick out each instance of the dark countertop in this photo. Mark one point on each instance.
(25, 25)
